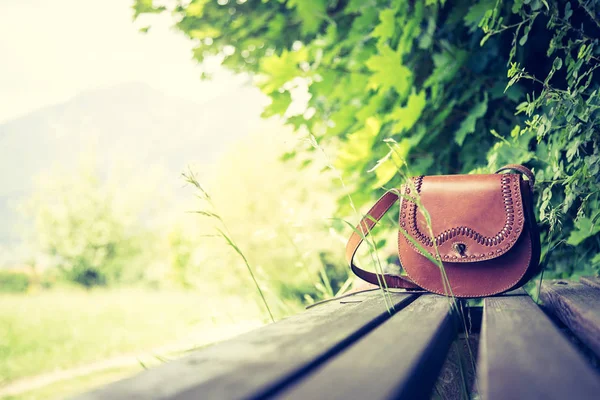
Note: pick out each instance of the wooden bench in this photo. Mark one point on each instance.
(354, 348)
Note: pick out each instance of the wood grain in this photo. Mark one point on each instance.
(593, 281)
(257, 363)
(399, 359)
(523, 356)
(457, 376)
(578, 307)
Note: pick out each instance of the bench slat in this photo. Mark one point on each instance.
(399, 359)
(523, 356)
(578, 307)
(254, 364)
(592, 281)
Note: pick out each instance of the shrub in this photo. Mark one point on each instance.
(13, 282)
(89, 227)
(458, 86)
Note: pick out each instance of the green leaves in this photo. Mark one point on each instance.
(277, 70)
(557, 64)
(311, 12)
(145, 7)
(388, 72)
(584, 228)
(280, 101)
(407, 116)
(385, 30)
(511, 150)
(357, 148)
(388, 166)
(477, 12)
(446, 65)
(467, 126)
(425, 74)
(196, 8)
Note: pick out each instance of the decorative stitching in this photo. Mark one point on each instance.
(509, 231)
(463, 230)
(468, 295)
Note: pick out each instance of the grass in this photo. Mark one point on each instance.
(57, 330)
(71, 387)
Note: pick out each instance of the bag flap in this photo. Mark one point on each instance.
(473, 217)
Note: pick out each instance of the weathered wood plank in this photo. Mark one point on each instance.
(258, 362)
(399, 359)
(457, 376)
(578, 307)
(593, 281)
(523, 356)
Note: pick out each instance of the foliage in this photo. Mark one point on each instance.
(266, 226)
(561, 118)
(102, 229)
(461, 86)
(180, 254)
(88, 226)
(13, 282)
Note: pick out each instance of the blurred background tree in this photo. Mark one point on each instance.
(93, 229)
(461, 86)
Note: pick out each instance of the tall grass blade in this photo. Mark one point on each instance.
(206, 214)
(249, 268)
(160, 358)
(190, 178)
(142, 364)
(345, 286)
(312, 141)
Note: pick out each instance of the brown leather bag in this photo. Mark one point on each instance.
(483, 227)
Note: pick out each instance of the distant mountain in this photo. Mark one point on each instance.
(130, 120)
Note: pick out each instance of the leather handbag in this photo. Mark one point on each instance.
(483, 230)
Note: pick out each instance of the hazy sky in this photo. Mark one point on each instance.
(50, 50)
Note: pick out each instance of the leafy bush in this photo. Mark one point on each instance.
(459, 86)
(13, 282)
(89, 226)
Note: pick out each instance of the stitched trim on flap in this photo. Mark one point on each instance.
(499, 243)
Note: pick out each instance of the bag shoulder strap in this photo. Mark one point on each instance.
(363, 229)
(375, 214)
